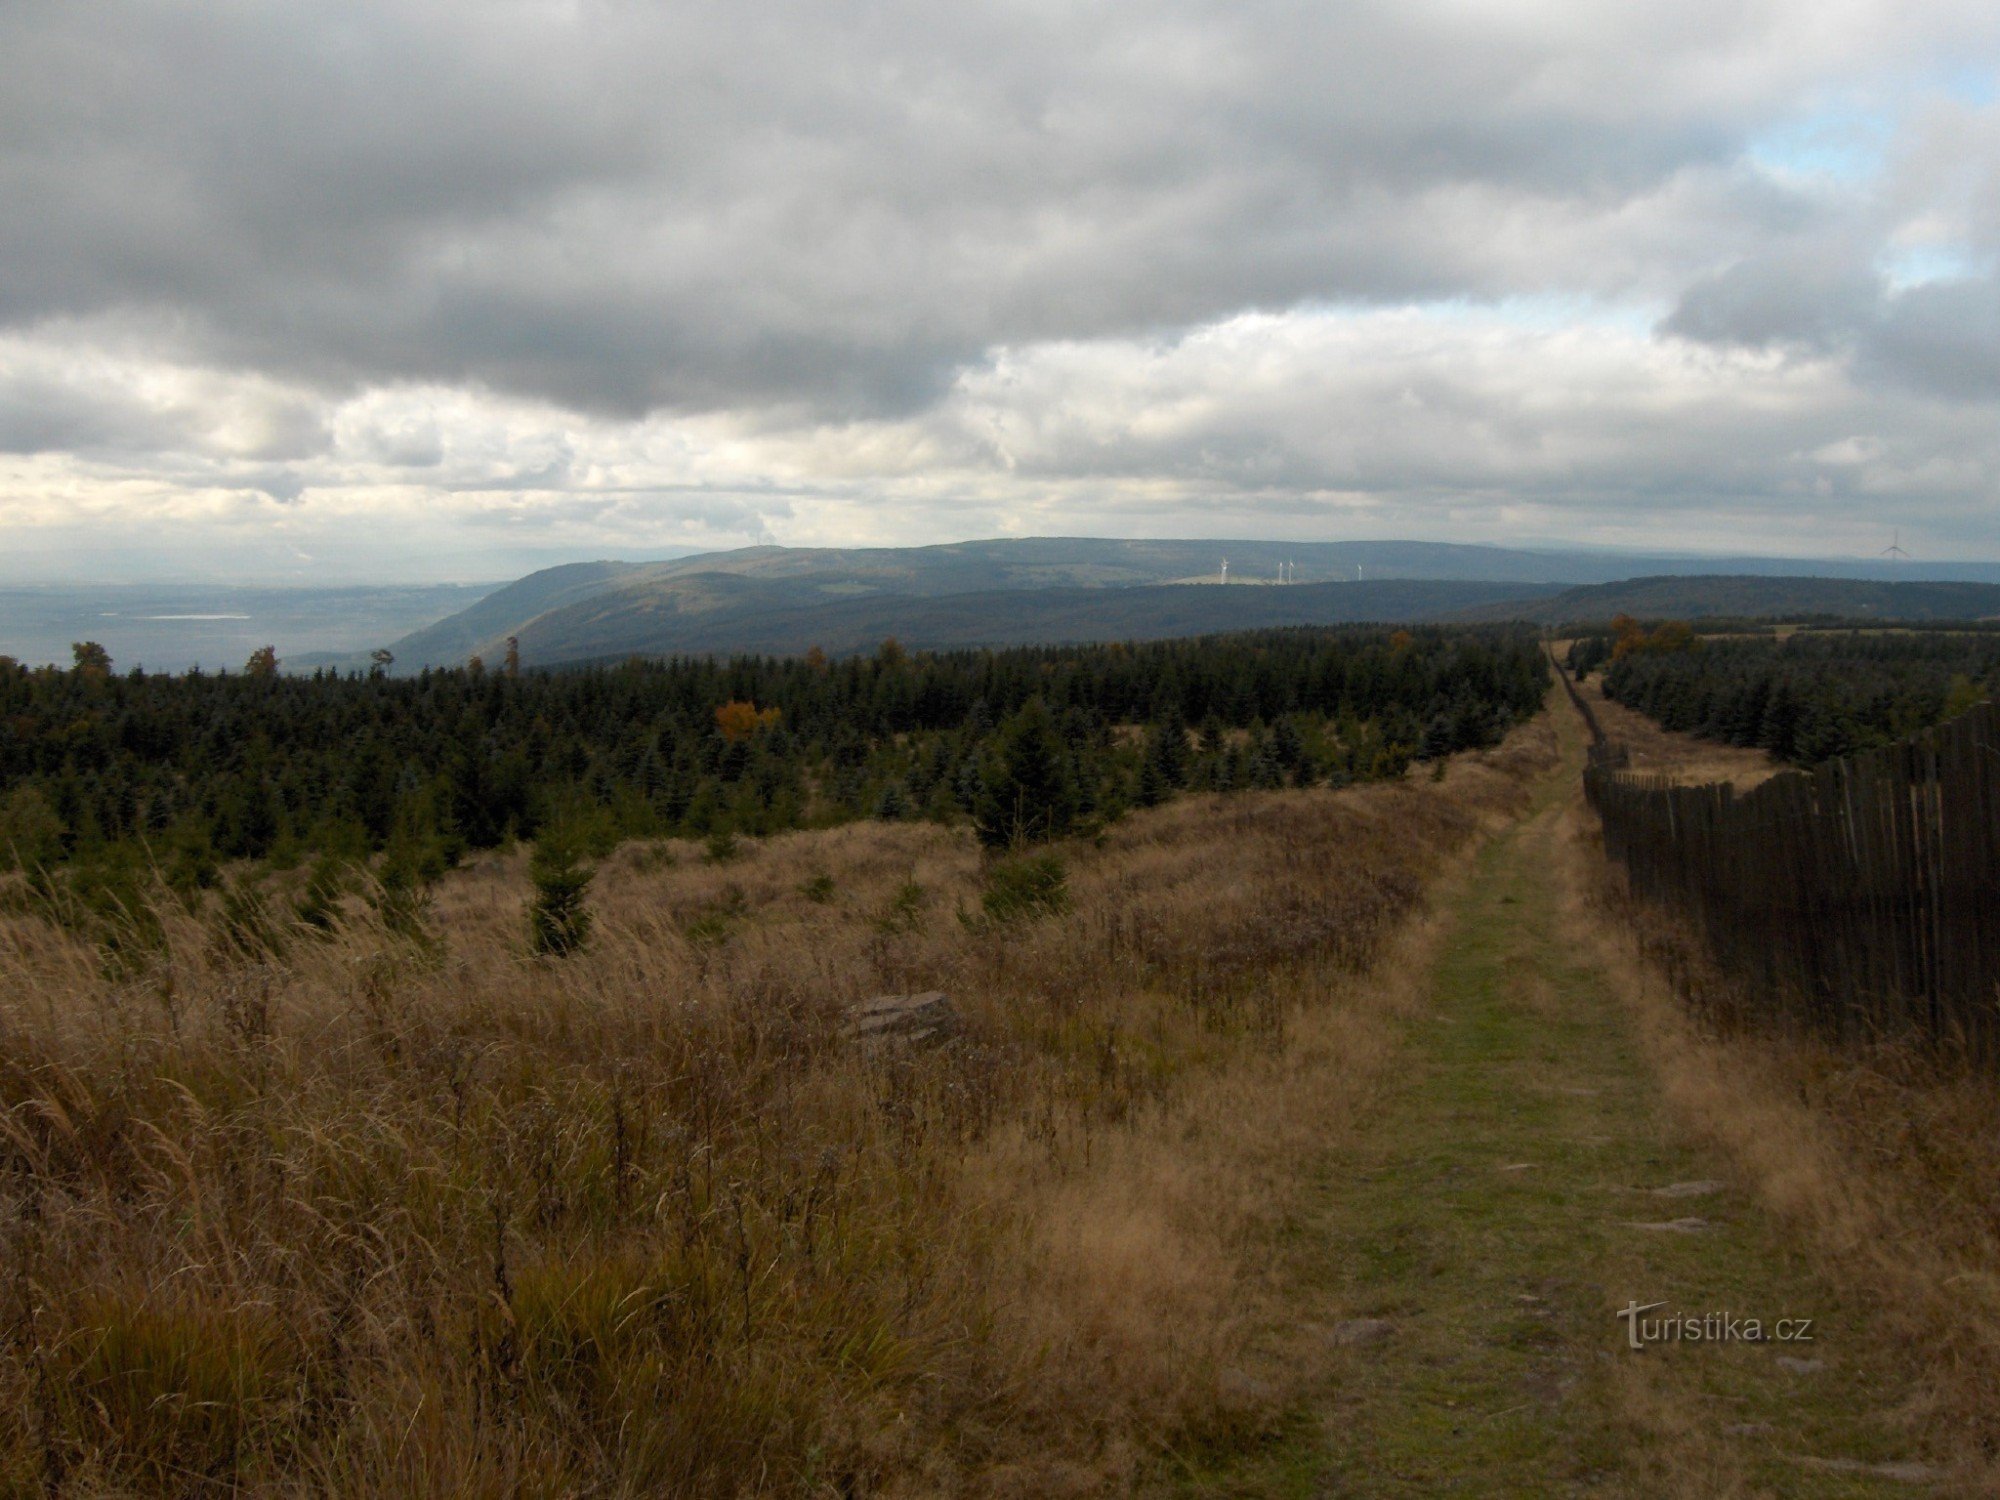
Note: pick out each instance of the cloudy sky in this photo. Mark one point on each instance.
(443, 289)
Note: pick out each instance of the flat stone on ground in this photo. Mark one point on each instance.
(1909, 1473)
(909, 1017)
(1699, 1189)
(1362, 1330)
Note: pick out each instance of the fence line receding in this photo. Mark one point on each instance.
(1863, 896)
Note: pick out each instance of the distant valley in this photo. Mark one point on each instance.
(176, 627)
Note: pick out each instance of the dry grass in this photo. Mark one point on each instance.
(1880, 1160)
(376, 1218)
(1684, 758)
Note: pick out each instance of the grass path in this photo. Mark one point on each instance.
(1466, 1259)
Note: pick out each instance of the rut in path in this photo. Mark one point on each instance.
(1522, 1183)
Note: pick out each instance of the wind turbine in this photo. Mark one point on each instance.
(1225, 570)
(1894, 550)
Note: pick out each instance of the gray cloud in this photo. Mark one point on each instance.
(1901, 276)
(1819, 299)
(1943, 338)
(627, 276)
(1940, 337)
(624, 207)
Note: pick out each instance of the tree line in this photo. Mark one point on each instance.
(1807, 697)
(189, 771)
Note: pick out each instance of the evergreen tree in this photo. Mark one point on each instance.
(1167, 754)
(558, 920)
(1028, 792)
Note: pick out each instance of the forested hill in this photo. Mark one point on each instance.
(1009, 591)
(1746, 596)
(721, 614)
(501, 613)
(727, 601)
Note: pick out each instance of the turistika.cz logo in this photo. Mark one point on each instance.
(1707, 1328)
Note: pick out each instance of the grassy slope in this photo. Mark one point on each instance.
(1488, 1214)
(366, 1222)
(370, 1219)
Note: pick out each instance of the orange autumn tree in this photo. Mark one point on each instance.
(1633, 639)
(739, 720)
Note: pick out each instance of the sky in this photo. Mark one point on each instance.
(436, 290)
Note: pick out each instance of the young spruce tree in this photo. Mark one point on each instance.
(1028, 790)
(558, 921)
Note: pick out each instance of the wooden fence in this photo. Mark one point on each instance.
(1863, 896)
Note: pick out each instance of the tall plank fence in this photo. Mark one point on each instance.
(1863, 896)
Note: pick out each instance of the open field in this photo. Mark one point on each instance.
(383, 1218)
(1312, 1147)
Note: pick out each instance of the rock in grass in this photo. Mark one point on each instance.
(927, 1016)
(1240, 1389)
(1689, 1189)
(1907, 1473)
(1362, 1331)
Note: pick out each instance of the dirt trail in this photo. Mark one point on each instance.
(1524, 1181)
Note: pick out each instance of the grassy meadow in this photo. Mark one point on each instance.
(372, 1214)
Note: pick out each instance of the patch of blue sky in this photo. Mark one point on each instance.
(1974, 83)
(1834, 145)
(1846, 140)
(1917, 265)
(1536, 312)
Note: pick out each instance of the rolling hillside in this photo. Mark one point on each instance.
(1750, 597)
(1010, 591)
(759, 598)
(754, 618)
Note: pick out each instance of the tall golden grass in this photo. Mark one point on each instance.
(374, 1216)
(1878, 1159)
(1682, 757)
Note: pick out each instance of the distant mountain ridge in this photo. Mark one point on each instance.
(713, 601)
(1015, 617)
(776, 599)
(1753, 597)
